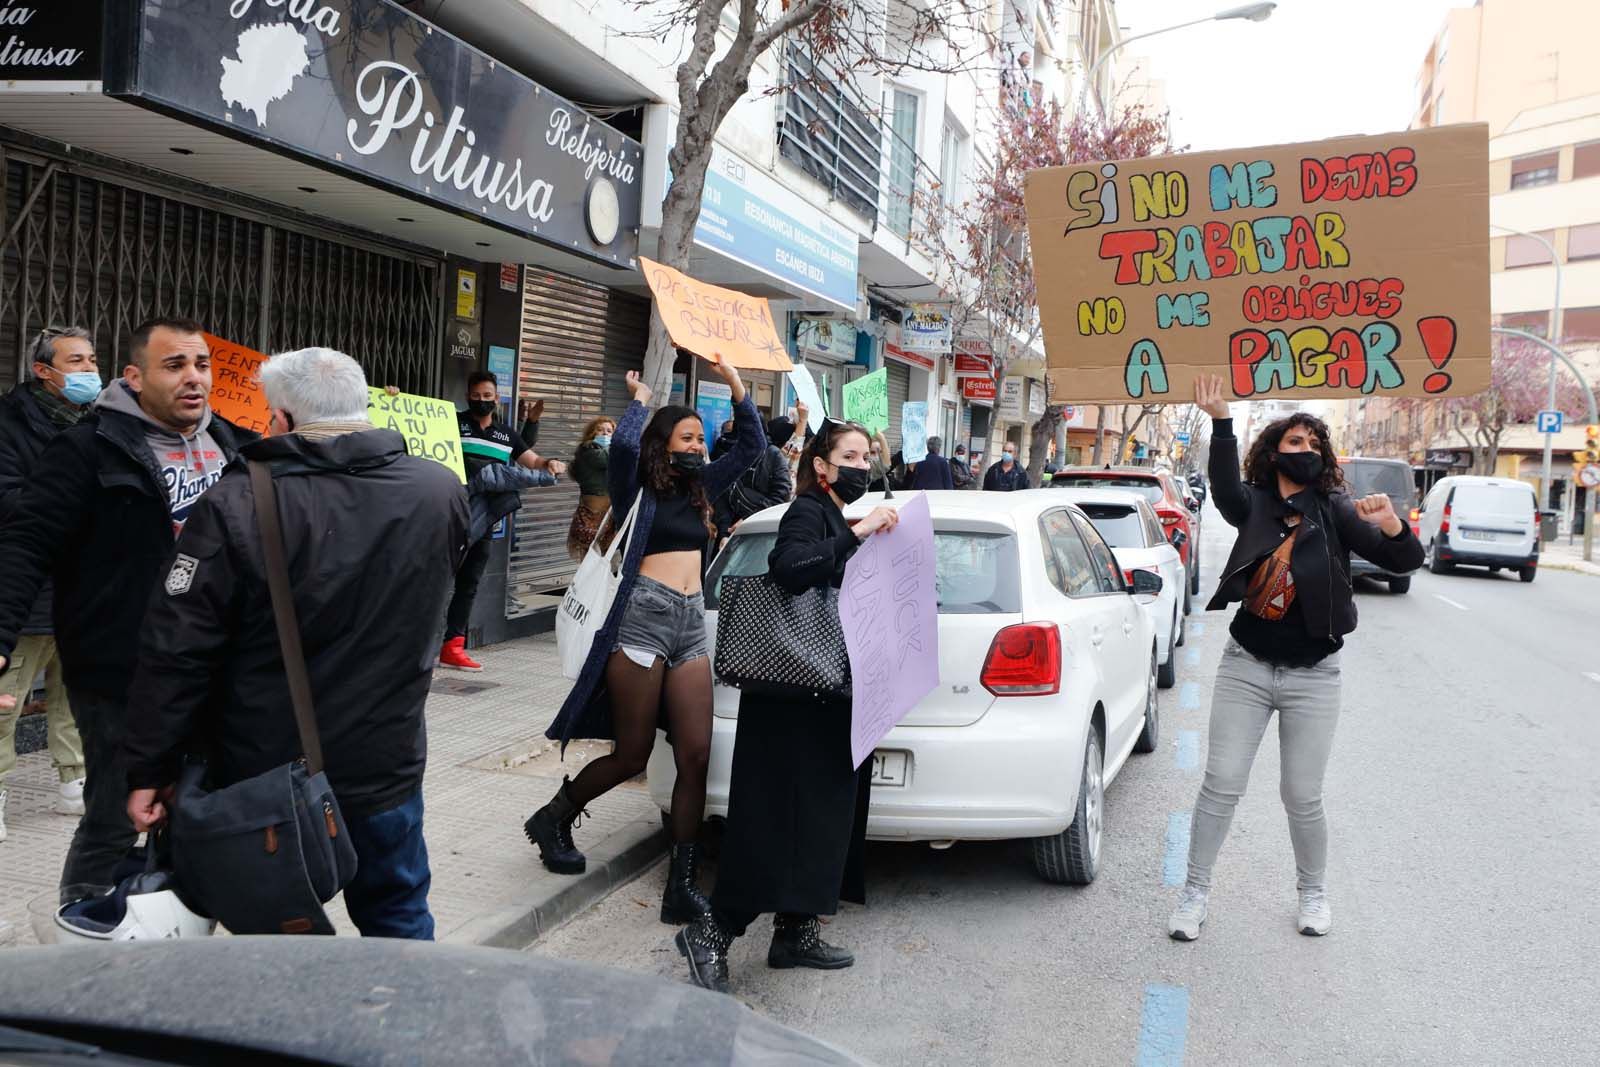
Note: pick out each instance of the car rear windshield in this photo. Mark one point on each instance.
(975, 572)
(1391, 479)
(1150, 487)
(1493, 499)
(1121, 526)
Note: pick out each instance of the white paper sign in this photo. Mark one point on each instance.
(914, 431)
(805, 391)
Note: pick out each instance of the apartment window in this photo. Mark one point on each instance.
(951, 148)
(1586, 160)
(1535, 322)
(1526, 252)
(1583, 242)
(1581, 324)
(1529, 171)
(902, 160)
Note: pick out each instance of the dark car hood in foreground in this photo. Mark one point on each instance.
(370, 1001)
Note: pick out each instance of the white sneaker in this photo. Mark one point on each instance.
(70, 802)
(1316, 917)
(2, 814)
(1189, 915)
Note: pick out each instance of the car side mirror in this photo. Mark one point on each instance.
(1194, 505)
(1145, 582)
(1177, 537)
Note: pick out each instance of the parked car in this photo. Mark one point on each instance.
(1047, 665)
(1129, 524)
(1365, 476)
(1481, 522)
(1161, 490)
(1197, 482)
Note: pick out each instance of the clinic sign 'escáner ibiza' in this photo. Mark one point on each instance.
(366, 87)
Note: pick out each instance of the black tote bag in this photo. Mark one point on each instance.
(783, 644)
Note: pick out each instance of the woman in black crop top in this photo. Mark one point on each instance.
(649, 664)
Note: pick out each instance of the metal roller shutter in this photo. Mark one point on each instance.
(578, 341)
(899, 392)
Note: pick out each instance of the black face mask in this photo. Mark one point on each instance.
(1301, 468)
(481, 408)
(851, 483)
(687, 462)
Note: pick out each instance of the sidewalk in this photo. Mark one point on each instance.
(489, 767)
(1560, 556)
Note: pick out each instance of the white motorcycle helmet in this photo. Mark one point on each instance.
(145, 907)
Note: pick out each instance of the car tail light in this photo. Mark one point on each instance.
(1169, 516)
(1444, 523)
(1024, 660)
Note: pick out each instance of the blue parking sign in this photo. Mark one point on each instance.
(1549, 421)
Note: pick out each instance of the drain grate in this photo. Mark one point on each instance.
(460, 687)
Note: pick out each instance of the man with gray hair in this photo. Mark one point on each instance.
(372, 539)
(65, 380)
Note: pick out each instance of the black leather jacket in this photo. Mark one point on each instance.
(1330, 530)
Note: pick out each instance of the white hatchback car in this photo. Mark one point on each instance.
(1129, 524)
(1047, 666)
(1482, 522)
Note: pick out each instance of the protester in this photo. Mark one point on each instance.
(878, 464)
(65, 381)
(649, 663)
(961, 469)
(795, 444)
(797, 806)
(1008, 475)
(531, 411)
(485, 442)
(766, 484)
(589, 471)
(352, 504)
(1290, 569)
(725, 441)
(933, 470)
(100, 515)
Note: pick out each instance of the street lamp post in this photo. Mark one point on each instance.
(1555, 328)
(1249, 12)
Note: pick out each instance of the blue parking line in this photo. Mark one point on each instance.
(1197, 627)
(1163, 1026)
(1175, 864)
(1188, 750)
(1189, 696)
(1191, 657)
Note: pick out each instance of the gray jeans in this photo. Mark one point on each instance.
(1247, 692)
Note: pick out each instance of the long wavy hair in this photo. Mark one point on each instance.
(1261, 465)
(821, 447)
(592, 428)
(656, 470)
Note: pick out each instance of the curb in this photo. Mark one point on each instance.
(552, 899)
(1577, 566)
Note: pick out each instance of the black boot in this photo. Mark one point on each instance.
(797, 942)
(551, 829)
(683, 902)
(704, 943)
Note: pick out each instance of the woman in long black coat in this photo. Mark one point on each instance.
(797, 805)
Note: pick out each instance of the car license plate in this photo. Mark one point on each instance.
(889, 768)
(1480, 535)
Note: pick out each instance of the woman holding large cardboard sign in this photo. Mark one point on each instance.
(1290, 571)
(648, 665)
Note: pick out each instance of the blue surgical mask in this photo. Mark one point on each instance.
(603, 440)
(80, 387)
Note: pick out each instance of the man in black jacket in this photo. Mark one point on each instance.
(100, 515)
(933, 472)
(766, 484)
(372, 538)
(1008, 475)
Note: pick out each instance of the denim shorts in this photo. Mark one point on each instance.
(660, 621)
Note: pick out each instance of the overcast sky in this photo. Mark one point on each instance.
(1316, 68)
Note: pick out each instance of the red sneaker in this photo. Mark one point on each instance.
(454, 655)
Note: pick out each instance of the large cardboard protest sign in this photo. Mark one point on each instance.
(430, 426)
(717, 323)
(236, 384)
(1350, 267)
(866, 400)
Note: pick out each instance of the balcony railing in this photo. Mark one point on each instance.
(830, 133)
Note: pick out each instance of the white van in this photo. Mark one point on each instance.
(1481, 522)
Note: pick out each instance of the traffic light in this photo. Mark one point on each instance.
(1591, 443)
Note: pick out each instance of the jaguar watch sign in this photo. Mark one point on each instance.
(367, 88)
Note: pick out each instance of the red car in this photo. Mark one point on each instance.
(1164, 495)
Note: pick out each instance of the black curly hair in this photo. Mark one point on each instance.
(656, 469)
(1260, 463)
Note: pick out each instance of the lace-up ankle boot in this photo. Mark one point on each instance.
(550, 828)
(797, 942)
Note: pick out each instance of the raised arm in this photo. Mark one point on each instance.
(1227, 489)
(749, 436)
(622, 462)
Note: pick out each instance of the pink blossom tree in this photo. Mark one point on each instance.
(1518, 389)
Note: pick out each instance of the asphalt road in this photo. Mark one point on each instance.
(1465, 817)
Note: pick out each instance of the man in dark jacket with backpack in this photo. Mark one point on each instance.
(933, 470)
(372, 539)
(766, 484)
(100, 515)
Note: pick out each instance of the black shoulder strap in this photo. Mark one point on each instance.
(294, 660)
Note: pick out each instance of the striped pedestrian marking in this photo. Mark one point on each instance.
(1191, 657)
(1189, 696)
(1188, 750)
(1163, 1026)
(1175, 863)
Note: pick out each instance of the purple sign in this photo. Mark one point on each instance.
(888, 607)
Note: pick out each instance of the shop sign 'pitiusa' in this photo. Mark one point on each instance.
(366, 87)
(1349, 267)
(49, 41)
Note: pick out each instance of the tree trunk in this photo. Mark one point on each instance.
(1038, 443)
(1099, 434)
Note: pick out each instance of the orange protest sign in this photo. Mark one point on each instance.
(236, 385)
(719, 324)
